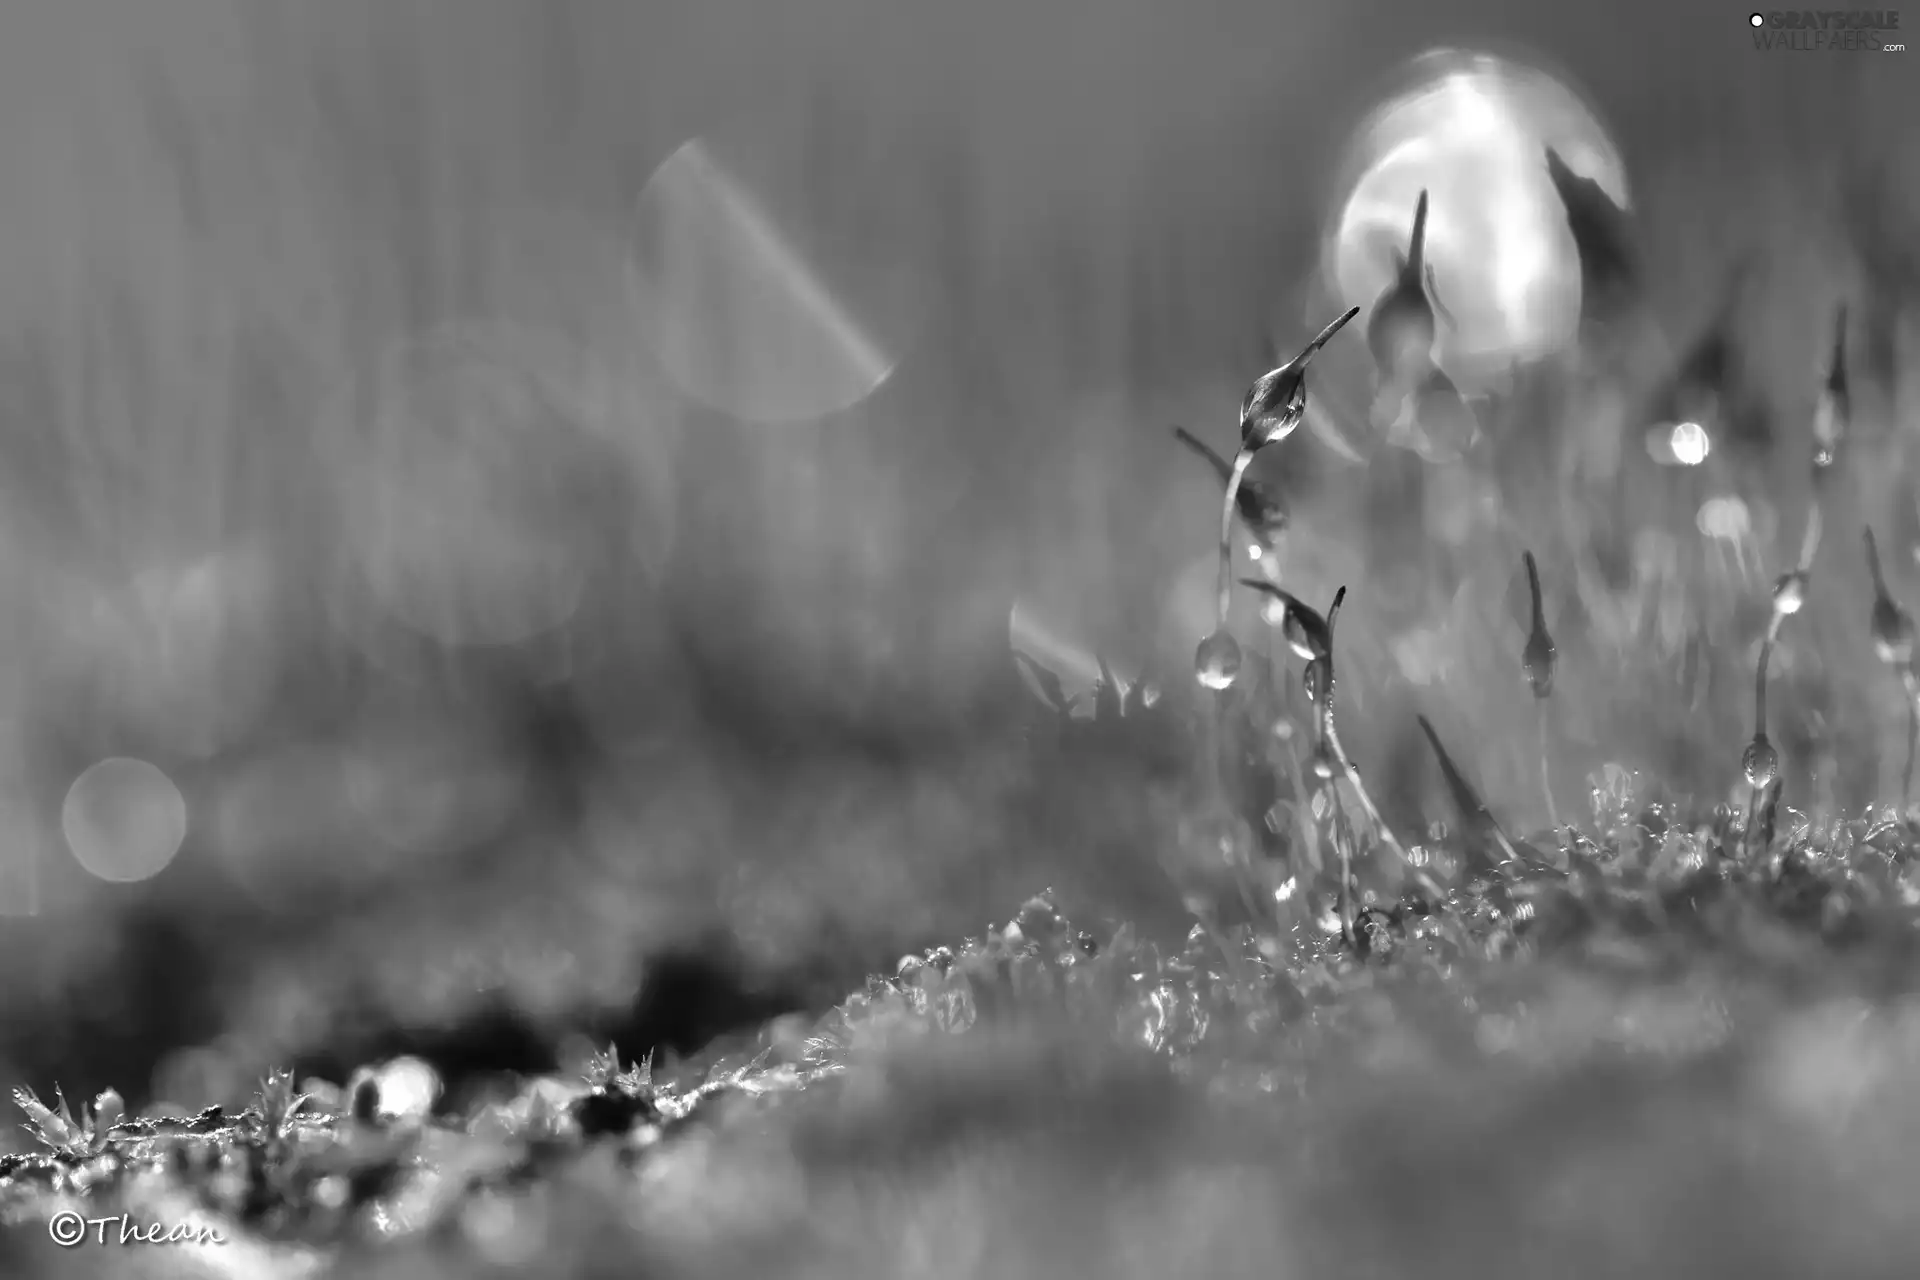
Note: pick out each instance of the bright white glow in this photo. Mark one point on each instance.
(1472, 129)
(124, 820)
(1689, 444)
(408, 1087)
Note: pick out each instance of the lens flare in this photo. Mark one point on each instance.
(739, 313)
(1472, 129)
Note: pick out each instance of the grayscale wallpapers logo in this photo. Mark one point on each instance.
(1828, 30)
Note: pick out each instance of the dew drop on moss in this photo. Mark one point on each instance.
(1216, 663)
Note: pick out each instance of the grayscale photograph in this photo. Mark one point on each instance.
(997, 640)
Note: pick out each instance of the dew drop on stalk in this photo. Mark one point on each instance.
(1790, 592)
(1891, 627)
(1325, 764)
(1893, 639)
(1760, 761)
(1318, 678)
(1216, 663)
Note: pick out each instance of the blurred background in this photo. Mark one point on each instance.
(514, 516)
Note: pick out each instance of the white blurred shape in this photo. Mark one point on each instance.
(735, 314)
(407, 1089)
(124, 819)
(1471, 129)
(1724, 518)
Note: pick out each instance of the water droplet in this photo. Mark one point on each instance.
(1436, 831)
(1216, 663)
(1760, 761)
(1892, 633)
(1283, 730)
(1374, 932)
(1538, 661)
(1318, 678)
(1790, 592)
(1325, 763)
(1823, 457)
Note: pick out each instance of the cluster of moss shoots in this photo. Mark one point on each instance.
(1242, 1002)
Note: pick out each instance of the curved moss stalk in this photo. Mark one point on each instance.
(1311, 636)
(1380, 827)
(1241, 461)
(1542, 721)
(1761, 762)
(1893, 642)
(1913, 741)
(1537, 659)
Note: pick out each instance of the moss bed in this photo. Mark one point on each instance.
(1660, 1052)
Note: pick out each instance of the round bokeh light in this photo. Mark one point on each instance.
(124, 820)
(1472, 129)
